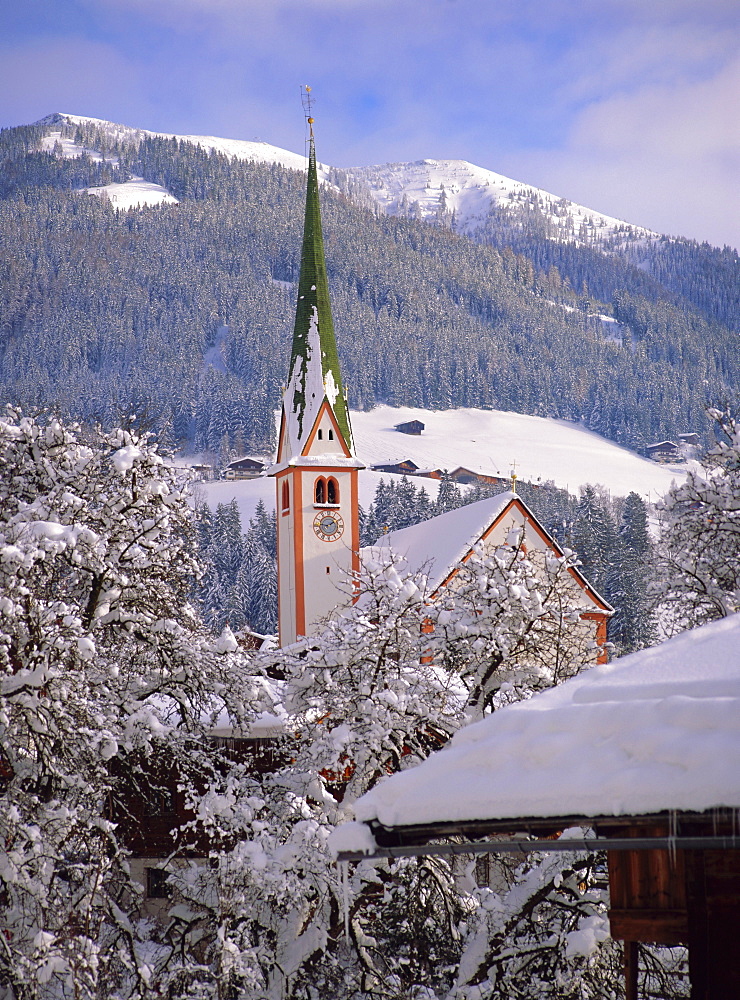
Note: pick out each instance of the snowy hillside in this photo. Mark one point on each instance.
(425, 189)
(242, 149)
(488, 441)
(435, 189)
(137, 191)
(131, 194)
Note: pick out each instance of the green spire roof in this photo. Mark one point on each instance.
(314, 363)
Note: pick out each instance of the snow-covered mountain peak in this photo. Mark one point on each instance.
(462, 194)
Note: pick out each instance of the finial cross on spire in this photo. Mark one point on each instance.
(307, 102)
(514, 476)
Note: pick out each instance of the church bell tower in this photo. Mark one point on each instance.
(318, 535)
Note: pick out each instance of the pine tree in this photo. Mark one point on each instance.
(632, 626)
(594, 538)
(449, 496)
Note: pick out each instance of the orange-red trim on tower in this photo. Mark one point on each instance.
(326, 408)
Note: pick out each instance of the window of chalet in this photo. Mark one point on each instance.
(160, 801)
(157, 886)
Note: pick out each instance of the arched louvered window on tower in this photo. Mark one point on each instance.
(332, 491)
(286, 498)
(320, 490)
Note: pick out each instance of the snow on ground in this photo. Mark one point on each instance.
(246, 492)
(492, 440)
(243, 149)
(134, 193)
(69, 148)
(482, 440)
(657, 730)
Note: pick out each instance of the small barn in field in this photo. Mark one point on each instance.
(402, 468)
(644, 753)
(410, 427)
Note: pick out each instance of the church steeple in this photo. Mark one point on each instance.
(317, 489)
(314, 364)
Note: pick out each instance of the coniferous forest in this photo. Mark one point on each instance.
(105, 313)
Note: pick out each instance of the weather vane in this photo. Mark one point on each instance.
(307, 102)
(514, 476)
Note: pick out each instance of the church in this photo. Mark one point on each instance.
(316, 475)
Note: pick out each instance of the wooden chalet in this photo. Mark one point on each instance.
(468, 477)
(664, 451)
(244, 468)
(404, 468)
(151, 811)
(644, 753)
(692, 438)
(203, 473)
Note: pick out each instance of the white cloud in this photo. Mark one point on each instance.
(665, 156)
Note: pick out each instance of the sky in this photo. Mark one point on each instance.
(631, 107)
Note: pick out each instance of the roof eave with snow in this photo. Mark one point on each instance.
(656, 732)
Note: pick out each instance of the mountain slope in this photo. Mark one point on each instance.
(429, 190)
(594, 252)
(104, 313)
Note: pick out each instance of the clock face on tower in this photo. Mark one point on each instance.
(328, 525)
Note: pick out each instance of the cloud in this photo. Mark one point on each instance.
(665, 156)
(75, 75)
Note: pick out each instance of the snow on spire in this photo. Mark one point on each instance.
(314, 364)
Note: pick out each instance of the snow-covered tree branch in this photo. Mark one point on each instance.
(103, 665)
(699, 569)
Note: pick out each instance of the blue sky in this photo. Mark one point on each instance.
(631, 107)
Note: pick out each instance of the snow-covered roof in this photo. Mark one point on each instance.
(657, 730)
(436, 546)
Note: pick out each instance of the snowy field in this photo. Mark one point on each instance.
(482, 440)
